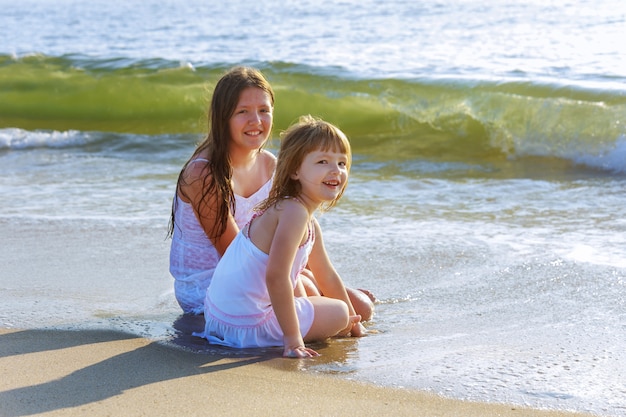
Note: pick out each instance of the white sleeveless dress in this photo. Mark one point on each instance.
(238, 310)
(193, 257)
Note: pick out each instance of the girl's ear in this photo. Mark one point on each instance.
(294, 176)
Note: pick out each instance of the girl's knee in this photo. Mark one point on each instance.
(341, 314)
(362, 303)
(331, 317)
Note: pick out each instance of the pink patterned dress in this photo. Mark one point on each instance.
(193, 257)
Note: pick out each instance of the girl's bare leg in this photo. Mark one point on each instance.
(362, 303)
(362, 300)
(331, 317)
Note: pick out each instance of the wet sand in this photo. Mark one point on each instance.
(102, 373)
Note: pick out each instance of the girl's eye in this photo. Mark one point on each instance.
(323, 161)
(343, 164)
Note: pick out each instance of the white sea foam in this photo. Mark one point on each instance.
(613, 159)
(13, 138)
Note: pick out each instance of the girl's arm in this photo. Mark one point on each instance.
(291, 226)
(329, 281)
(205, 211)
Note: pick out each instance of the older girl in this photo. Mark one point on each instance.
(227, 175)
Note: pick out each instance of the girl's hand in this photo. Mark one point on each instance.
(294, 348)
(300, 352)
(354, 325)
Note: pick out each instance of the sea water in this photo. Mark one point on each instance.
(486, 207)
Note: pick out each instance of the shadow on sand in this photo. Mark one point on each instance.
(130, 369)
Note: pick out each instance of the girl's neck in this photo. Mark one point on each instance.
(243, 160)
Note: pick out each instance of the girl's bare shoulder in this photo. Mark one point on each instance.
(267, 154)
(290, 209)
(268, 160)
(197, 168)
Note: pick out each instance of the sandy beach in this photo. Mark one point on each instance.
(101, 371)
(105, 373)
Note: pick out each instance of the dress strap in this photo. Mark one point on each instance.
(198, 160)
(246, 228)
(311, 236)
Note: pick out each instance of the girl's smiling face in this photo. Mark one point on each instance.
(251, 123)
(323, 176)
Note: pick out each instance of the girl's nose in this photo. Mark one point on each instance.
(255, 118)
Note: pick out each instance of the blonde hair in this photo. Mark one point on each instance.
(307, 135)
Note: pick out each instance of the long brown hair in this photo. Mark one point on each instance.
(307, 135)
(218, 181)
